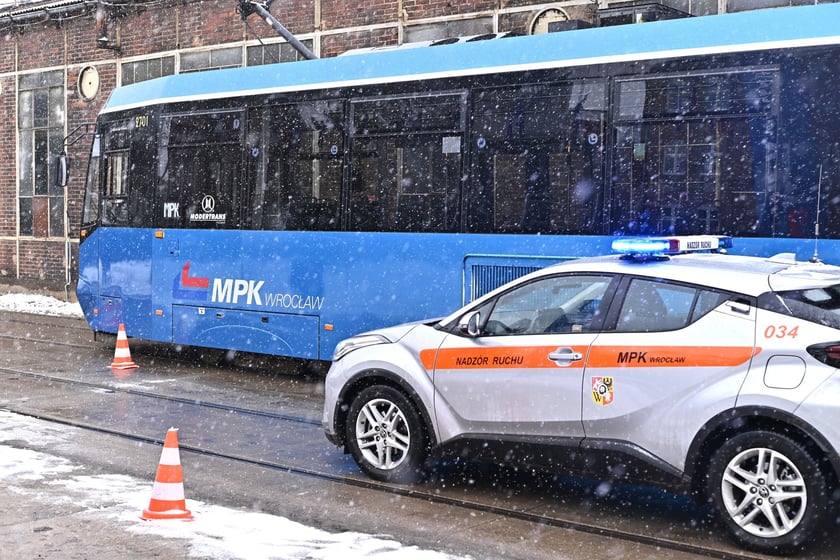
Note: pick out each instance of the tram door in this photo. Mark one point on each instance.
(199, 184)
(537, 159)
(123, 182)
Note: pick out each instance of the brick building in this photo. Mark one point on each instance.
(59, 60)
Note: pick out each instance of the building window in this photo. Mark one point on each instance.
(273, 53)
(141, 70)
(229, 57)
(41, 136)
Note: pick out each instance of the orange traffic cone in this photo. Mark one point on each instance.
(168, 492)
(122, 353)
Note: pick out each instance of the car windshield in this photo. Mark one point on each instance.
(817, 305)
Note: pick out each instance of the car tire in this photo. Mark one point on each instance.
(386, 436)
(769, 491)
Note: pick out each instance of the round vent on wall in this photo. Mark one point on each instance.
(88, 82)
(540, 20)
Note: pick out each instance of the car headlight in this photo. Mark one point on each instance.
(346, 346)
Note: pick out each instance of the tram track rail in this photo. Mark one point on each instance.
(26, 319)
(159, 396)
(162, 351)
(44, 341)
(363, 483)
(473, 506)
(431, 496)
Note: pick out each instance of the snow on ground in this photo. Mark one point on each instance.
(216, 532)
(39, 304)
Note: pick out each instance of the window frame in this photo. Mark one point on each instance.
(612, 322)
(539, 325)
(41, 202)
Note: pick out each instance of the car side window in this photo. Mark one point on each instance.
(655, 306)
(706, 301)
(557, 304)
(817, 305)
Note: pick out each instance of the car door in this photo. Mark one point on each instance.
(671, 356)
(521, 373)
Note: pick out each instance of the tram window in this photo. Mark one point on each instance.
(116, 189)
(429, 113)
(216, 128)
(116, 175)
(204, 183)
(201, 160)
(691, 155)
(90, 211)
(537, 159)
(408, 183)
(406, 164)
(121, 175)
(750, 92)
(811, 125)
(298, 184)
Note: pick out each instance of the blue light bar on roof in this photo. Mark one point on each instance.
(636, 246)
(670, 245)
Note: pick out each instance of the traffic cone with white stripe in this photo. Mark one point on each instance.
(122, 353)
(168, 500)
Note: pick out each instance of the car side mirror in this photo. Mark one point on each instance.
(468, 324)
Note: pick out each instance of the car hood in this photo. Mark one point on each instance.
(397, 332)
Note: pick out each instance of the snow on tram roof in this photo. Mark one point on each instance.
(737, 32)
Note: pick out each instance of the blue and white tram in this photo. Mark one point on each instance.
(282, 208)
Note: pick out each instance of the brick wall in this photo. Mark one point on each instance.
(7, 51)
(419, 9)
(42, 260)
(209, 22)
(41, 47)
(339, 13)
(335, 44)
(8, 262)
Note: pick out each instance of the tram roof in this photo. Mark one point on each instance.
(737, 32)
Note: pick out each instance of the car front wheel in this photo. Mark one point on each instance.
(769, 491)
(385, 435)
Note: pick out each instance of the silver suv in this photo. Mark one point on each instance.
(700, 372)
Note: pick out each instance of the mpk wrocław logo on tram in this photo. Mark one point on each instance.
(237, 291)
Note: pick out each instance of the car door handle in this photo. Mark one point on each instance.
(565, 356)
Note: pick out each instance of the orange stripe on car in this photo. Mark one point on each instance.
(669, 356)
(525, 357)
(498, 357)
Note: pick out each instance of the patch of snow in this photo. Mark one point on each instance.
(39, 305)
(215, 532)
